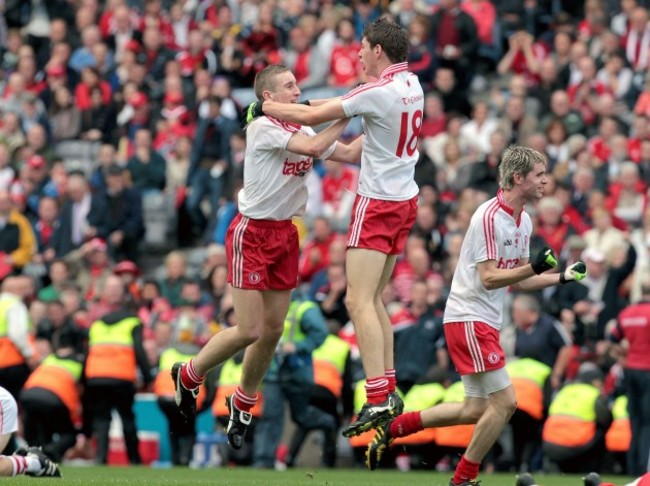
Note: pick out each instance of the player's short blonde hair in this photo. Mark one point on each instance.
(517, 159)
(265, 79)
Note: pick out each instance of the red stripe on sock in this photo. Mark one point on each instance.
(243, 401)
(390, 376)
(376, 389)
(189, 378)
(18, 464)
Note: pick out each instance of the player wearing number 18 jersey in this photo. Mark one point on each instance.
(386, 204)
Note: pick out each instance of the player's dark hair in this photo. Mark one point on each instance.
(392, 38)
(265, 79)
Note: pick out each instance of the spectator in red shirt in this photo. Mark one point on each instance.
(345, 69)
(315, 252)
(584, 94)
(339, 187)
(435, 119)
(90, 78)
(456, 40)
(637, 41)
(523, 57)
(633, 325)
(551, 226)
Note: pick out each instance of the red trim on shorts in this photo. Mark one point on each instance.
(474, 347)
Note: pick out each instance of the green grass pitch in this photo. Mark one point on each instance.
(296, 477)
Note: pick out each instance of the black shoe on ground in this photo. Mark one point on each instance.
(49, 468)
(371, 416)
(379, 444)
(238, 422)
(473, 482)
(399, 403)
(185, 399)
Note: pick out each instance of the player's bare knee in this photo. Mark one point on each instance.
(474, 410)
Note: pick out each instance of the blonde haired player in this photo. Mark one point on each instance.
(494, 256)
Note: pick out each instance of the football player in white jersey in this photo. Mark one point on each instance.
(386, 205)
(262, 247)
(494, 256)
(32, 461)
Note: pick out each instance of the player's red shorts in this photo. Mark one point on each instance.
(262, 254)
(381, 225)
(474, 347)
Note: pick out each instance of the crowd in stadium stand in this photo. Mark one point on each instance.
(121, 154)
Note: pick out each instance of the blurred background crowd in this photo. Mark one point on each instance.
(121, 155)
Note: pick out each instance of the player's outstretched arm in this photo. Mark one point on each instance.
(494, 278)
(319, 144)
(310, 115)
(572, 273)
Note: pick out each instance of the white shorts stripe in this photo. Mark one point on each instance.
(237, 246)
(359, 214)
(470, 346)
(474, 347)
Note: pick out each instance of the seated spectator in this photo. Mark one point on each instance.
(152, 307)
(331, 295)
(480, 127)
(90, 266)
(58, 329)
(59, 277)
(175, 276)
(98, 119)
(557, 148)
(523, 57)
(305, 61)
(345, 68)
(550, 225)
(603, 236)
(315, 251)
(435, 119)
(627, 198)
(17, 240)
(453, 97)
(116, 216)
(516, 123)
(146, 166)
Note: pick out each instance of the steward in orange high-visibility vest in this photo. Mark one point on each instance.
(51, 403)
(15, 345)
(455, 436)
(182, 431)
(574, 432)
(619, 435)
(229, 379)
(115, 353)
(530, 380)
(330, 360)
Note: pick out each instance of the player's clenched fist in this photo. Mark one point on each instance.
(574, 272)
(545, 260)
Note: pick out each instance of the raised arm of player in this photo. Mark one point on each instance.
(305, 114)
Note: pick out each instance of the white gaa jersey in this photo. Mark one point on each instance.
(8, 413)
(274, 178)
(391, 110)
(493, 234)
